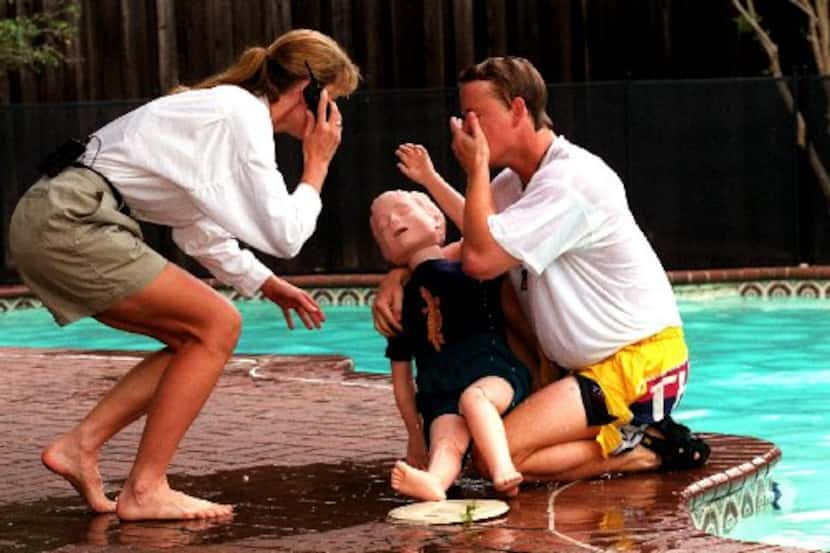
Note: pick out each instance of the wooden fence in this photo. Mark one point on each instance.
(129, 49)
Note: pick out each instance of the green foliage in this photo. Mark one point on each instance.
(39, 40)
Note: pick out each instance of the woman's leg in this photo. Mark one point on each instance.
(481, 405)
(449, 439)
(75, 454)
(201, 329)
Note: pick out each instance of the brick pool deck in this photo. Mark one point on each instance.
(303, 446)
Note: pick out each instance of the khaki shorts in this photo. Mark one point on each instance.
(75, 250)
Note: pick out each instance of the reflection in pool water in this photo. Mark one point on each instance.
(759, 368)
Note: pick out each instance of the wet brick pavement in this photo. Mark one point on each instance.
(303, 447)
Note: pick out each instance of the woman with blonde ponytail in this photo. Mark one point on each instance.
(202, 162)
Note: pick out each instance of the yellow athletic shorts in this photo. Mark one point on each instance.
(642, 383)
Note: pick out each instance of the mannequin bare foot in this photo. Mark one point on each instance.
(507, 483)
(65, 458)
(416, 483)
(163, 503)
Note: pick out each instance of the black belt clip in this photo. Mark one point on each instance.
(119, 199)
(66, 154)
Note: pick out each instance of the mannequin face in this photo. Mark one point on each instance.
(403, 227)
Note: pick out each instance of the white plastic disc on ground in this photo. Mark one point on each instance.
(451, 511)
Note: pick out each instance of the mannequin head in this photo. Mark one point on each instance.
(405, 223)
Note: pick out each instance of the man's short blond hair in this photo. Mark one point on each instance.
(511, 77)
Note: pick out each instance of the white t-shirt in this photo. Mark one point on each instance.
(593, 282)
(202, 162)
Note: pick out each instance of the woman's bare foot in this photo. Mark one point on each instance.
(416, 483)
(65, 458)
(162, 503)
(507, 483)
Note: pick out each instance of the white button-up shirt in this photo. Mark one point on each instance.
(202, 162)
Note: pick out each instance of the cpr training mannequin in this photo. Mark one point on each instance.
(453, 327)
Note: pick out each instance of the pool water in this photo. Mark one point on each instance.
(759, 368)
(762, 368)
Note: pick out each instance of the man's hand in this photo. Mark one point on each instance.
(469, 144)
(289, 297)
(416, 164)
(388, 303)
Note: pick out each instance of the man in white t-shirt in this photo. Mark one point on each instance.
(557, 220)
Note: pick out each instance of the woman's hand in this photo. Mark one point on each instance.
(469, 144)
(416, 164)
(388, 303)
(289, 297)
(416, 452)
(321, 138)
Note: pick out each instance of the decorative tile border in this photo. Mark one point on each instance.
(719, 501)
(814, 289)
(359, 290)
(20, 302)
(719, 517)
(362, 296)
(351, 297)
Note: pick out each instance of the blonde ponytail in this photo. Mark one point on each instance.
(269, 71)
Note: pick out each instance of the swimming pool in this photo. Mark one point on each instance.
(759, 368)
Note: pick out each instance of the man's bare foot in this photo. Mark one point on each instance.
(65, 458)
(163, 503)
(639, 459)
(416, 483)
(507, 483)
